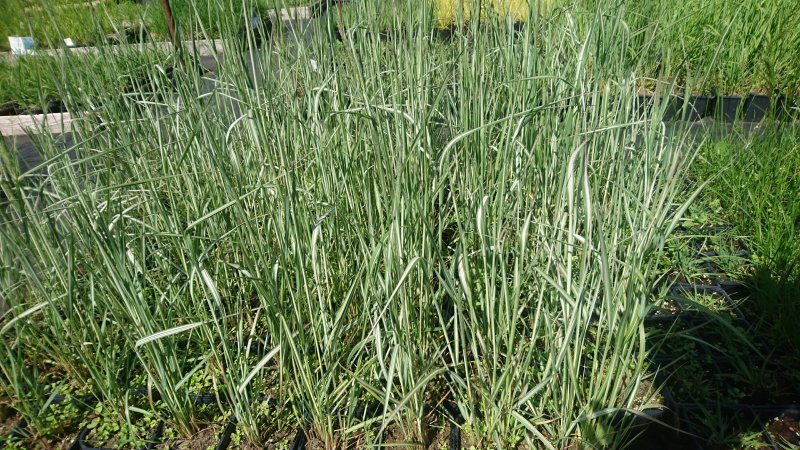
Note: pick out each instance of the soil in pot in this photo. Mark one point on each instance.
(784, 430)
(202, 440)
(9, 418)
(666, 309)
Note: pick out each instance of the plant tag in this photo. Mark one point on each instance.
(21, 45)
(69, 42)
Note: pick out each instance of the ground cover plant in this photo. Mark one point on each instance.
(464, 229)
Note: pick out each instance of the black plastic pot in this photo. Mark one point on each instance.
(700, 106)
(198, 399)
(454, 437)
(756, 107)
(299, 441)
(155, 438)
(782, 108)
(445, 34)
(19, 428)
(227, 433)
(672, 109)
(691, 109)
(756, 394)
(727, 108)
(734, 289)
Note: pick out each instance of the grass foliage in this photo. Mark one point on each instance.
(404, 221)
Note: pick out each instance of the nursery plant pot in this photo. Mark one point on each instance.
(299, 441)
(756, 107)
(673, 108)
(728, 106)
(669, 311)
(56, 106)
(225, 438)
(454, 437)
(689, 109)
(700, 106)
(734, 289)
(781, 108)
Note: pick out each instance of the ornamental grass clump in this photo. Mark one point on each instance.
(402, 222)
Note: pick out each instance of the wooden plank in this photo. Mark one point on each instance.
(19, 125)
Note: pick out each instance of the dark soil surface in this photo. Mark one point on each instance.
(784, 430)
(315, 444)
(8, 420)
(201, 441)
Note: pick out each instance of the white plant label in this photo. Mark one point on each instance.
(21, 45)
